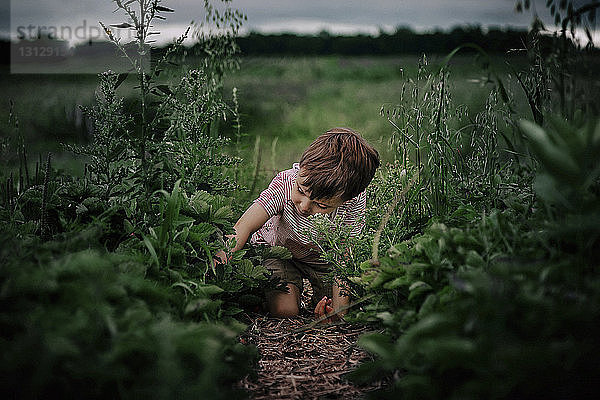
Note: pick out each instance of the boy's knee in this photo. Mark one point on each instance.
(283, 310)
(284, 305)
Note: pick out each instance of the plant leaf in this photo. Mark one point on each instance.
(163, 9)
(123, 25)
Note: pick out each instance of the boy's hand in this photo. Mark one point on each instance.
(223, 257)
(323, 308)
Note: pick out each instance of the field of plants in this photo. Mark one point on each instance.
(476, 273)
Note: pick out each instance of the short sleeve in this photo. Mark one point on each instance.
(273, 197)
(356, 213)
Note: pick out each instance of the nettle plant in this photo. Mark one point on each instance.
(175, 133)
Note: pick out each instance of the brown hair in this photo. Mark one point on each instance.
(338, 163)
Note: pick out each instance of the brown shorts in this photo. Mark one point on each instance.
(293, 271)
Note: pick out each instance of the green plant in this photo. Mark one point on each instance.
(12, 187)
(110, 153)
(454, 165)
(477, 311)
(141, 23)
(191, 147)
(178, 135)
(568, 181)
(79, 322)
(108, 279)
(568, 60)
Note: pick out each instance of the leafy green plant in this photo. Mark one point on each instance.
(108, 279)
(177, 129)
(342, 249)
(89, 324)
(141, 24)
(568, 180)
(478, 311)
(191, 146)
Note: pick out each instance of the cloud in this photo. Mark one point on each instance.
(302, 16)
(420, 14)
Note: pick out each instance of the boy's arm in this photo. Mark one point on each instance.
(269, 203)
(251, 221)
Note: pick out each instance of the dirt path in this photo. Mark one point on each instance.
(309, 364)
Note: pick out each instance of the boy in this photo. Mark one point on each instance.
(331, 179)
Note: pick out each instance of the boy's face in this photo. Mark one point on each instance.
(306, 206)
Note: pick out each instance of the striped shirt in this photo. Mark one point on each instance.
(286, 226)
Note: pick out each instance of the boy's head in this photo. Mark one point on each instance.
(339, 163)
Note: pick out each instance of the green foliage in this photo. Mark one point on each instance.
(567, 61)
(342, 249)
(12, 187)
(568, 182)
(192, 148)
(110, 153)
(244, 279)
(403, 222)
(176, 133)
(402, 41)
(455, 162)
(89, 324)
(181, 250)
(109, 284)
(509, 334)
(416, 274)
(497, 296)
(216, 36)
(504, 307)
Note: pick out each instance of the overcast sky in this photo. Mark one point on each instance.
(301, 16)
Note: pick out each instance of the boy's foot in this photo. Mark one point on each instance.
(323, 308)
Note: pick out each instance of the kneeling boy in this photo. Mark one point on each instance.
(331, 179)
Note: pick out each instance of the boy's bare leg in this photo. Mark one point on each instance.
(284, 304)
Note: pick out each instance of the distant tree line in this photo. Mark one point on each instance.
(402, 41)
